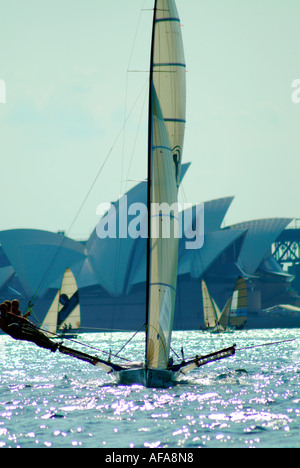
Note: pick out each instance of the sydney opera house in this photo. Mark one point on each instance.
(111, 272)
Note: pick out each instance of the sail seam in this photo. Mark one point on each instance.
(169, 64)
(175, 120)
(162, 147)
(159, 20)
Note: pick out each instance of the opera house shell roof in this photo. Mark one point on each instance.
(111, 272)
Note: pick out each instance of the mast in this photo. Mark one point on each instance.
(148, 256)
(165, 141)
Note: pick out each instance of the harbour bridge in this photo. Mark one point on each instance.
(286, 250)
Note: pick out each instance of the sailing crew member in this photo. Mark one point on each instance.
(20, 328)
(8, 303)
(15, 307)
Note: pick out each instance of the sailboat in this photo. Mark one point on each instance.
(215, 320)
(63, 318)
(166, 126)
(234, 314)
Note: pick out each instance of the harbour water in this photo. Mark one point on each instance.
(249, 400)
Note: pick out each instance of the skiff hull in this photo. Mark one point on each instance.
(147, 377)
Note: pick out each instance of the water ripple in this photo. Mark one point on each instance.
(250, 400)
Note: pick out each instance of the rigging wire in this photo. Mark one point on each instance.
(267, 344)
(73, 222)
(136, 137)
(55, 335)
(126, 89)
(119, 245)
(126, 118)
(130, 339)
(65, 235)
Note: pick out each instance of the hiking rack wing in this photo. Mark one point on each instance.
(107, 366)
(199, 361)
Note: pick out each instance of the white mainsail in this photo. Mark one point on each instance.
(169, 75)
(211, 311)
(213, 317)
(234, 313)
(63, 299)
(167, 123)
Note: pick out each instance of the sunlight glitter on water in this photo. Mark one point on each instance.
(250, 400)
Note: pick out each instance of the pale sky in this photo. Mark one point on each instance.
(65, 65)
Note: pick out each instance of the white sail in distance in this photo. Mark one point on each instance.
(167, 122)
(211, 311)
(213, 318)
(68, 290)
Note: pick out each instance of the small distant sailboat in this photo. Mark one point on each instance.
(234, 314)
(215, 320)
(64, 318)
